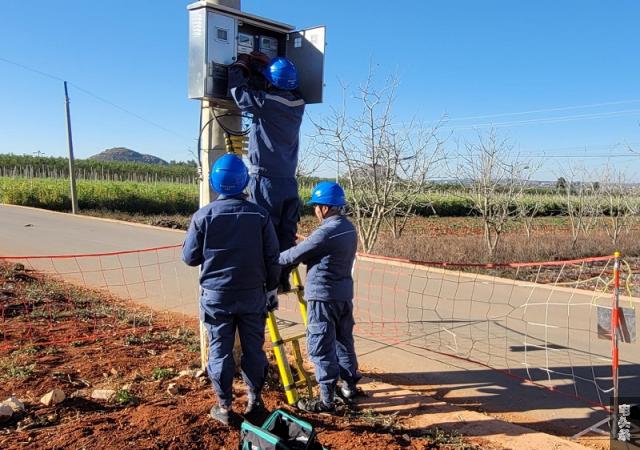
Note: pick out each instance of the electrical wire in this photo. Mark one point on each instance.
(547, 120)
(31, 69)
(199, 150)
(579, 156)
(228, 130)
(131, 113)
(97, 97)
(537, 111)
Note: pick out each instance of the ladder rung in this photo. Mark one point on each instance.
(303, 383)
(294, 338)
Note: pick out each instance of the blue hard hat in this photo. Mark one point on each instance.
(229, 175)
(281, 73)
(327, 193)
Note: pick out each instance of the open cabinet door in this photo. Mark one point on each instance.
(305, 48)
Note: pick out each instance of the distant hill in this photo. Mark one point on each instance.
(126, 154)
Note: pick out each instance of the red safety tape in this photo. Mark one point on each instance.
(375, 257)
(487, 265)
(513, 265)
(87, 255)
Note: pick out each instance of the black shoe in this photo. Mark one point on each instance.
(219, 414)
(315, 405)
(254, 407)
(349, 393)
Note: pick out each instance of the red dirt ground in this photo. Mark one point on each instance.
(56, 336)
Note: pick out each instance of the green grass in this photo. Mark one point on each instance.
(10, 368)
(25, 351)
(160, 373)
(124, 397)
(182, 199)
(383, 421)
(147, 198)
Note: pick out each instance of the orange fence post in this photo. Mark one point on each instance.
(615, 324)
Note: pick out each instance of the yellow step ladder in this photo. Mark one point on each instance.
(305, 380)
(236, 144)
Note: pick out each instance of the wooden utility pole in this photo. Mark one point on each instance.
(72, 173)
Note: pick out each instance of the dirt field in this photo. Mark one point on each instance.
(460, 239)
(54, 335)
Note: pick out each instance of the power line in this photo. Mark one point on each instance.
(587, 146)
(548, 120)
(536, 111)
(97, 97)
(31, 69)
(138, 116)
(542, 120)
(581, 156)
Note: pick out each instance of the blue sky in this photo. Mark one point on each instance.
(466, 59)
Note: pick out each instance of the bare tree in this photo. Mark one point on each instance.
(496, 179)
(385, 166)
(397, 221)
(616, 196)
(309, 160)
(528, 208)
(582, 203)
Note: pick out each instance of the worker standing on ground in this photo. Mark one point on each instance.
(329, 253)
(277, 111)
(234, 241)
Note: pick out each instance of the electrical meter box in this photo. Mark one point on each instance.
(217, 34)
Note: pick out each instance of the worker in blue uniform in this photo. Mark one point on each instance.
(329, 253)
(277, 109)
(235, 243)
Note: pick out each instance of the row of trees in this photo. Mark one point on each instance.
(498, 180)
(387, 169)
(55, 167)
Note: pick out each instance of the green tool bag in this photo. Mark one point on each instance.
(281, 431)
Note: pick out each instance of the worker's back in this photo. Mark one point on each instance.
(238, 248)
(328, 253)
(277, 116)
(275, 140)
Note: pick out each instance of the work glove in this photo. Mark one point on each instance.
(259, 57)
(243, 61)
(272, 300)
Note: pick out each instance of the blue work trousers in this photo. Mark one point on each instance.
(330, 345)
(279, 196)
(222, 320)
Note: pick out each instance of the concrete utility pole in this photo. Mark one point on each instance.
(212, 145)
(211, 148)
(212, 140)
(72, 172)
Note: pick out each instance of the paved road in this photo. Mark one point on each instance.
(410, 319)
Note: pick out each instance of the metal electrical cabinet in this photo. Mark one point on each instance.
(217, 34)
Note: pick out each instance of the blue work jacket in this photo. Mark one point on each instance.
(329, 253)
(274, 139)
(236, 244)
